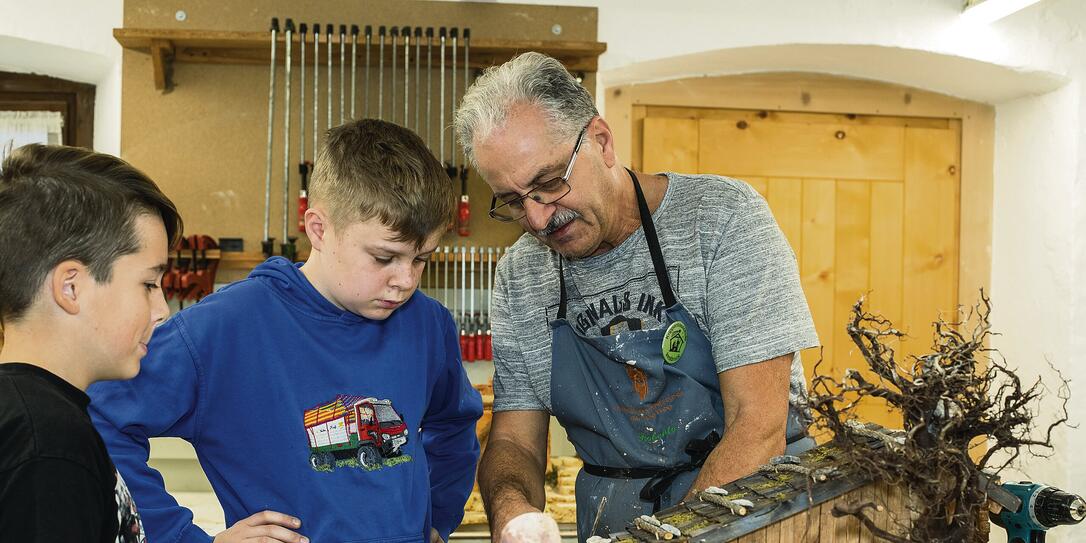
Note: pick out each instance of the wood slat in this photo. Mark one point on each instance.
(887, 249)
(806, 526)
(786, 200)
(801, 149)
(897, 519)
(887, 266)
(817, 265)
(827, 530)
(788, 529)
(760, 184)
(772, 533)
(751, 115)
(852, 244)
(866, 494)
(670, 145)
(930, 232)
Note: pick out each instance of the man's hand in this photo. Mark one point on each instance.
(755, 420)
(512, 510)
(532, 527)
(271, 526)
(435, 537)
(512, 468)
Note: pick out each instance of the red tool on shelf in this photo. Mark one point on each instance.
(207, 268)
(483, 285)
(171, 280)
(463, 304)
(458, 315)
(190, 274)
(469, 318)
(304, 165)
(463, 212)
(488, 346)
(479, 336)
(303, 194)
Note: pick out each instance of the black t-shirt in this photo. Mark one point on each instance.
(57, 482)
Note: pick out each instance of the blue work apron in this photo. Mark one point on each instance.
(643, 422)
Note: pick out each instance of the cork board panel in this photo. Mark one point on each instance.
(205, 141)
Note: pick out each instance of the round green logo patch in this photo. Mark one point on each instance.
(674, 342)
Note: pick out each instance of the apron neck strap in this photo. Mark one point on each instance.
(658, 264)
(562, 297)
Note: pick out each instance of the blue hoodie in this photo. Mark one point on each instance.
(267, 379)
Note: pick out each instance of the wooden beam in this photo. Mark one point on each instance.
(235, 47)
(161, 59)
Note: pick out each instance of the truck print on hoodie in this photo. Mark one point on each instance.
(355, 431)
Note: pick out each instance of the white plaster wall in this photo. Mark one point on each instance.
(1033, 272)
(69, 39)
(1039, 232)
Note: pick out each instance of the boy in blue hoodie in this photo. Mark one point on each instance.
(326, 402)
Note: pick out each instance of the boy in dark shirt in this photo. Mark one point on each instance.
(84, 239)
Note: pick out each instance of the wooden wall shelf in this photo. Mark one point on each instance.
(167, 46)
(246, 261)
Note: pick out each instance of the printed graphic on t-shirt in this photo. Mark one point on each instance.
(634, 305)
(355, 431)
(130, 529)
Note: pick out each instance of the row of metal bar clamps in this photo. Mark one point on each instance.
(461, 277)
(419, 118)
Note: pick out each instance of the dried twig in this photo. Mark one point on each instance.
(960, 391)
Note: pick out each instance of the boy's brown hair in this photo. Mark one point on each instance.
(62, 203)
(376, 169)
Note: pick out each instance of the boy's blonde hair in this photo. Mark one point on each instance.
(376, 169)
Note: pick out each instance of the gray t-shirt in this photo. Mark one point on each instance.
(729, 264)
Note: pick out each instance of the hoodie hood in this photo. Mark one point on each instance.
(294, 287)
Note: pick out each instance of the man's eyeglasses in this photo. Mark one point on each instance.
(511, 208)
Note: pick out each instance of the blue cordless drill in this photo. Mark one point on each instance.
(1029, 509)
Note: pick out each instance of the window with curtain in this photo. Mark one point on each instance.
(18, 128)
(38, 108)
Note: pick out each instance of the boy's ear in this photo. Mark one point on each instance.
(316, 225)
(67, 284)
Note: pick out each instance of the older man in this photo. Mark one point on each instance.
(657, 317)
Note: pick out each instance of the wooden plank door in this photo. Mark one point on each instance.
(869, 204)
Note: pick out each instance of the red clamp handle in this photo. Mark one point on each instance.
(463, 217)
(303, 206)
(470, 356)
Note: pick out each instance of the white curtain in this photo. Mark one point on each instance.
(18, 128)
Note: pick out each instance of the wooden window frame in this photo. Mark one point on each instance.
(75, 101)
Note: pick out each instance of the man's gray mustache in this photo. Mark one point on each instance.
(559, 220)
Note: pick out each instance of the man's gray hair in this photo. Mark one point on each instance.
(530, 78)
